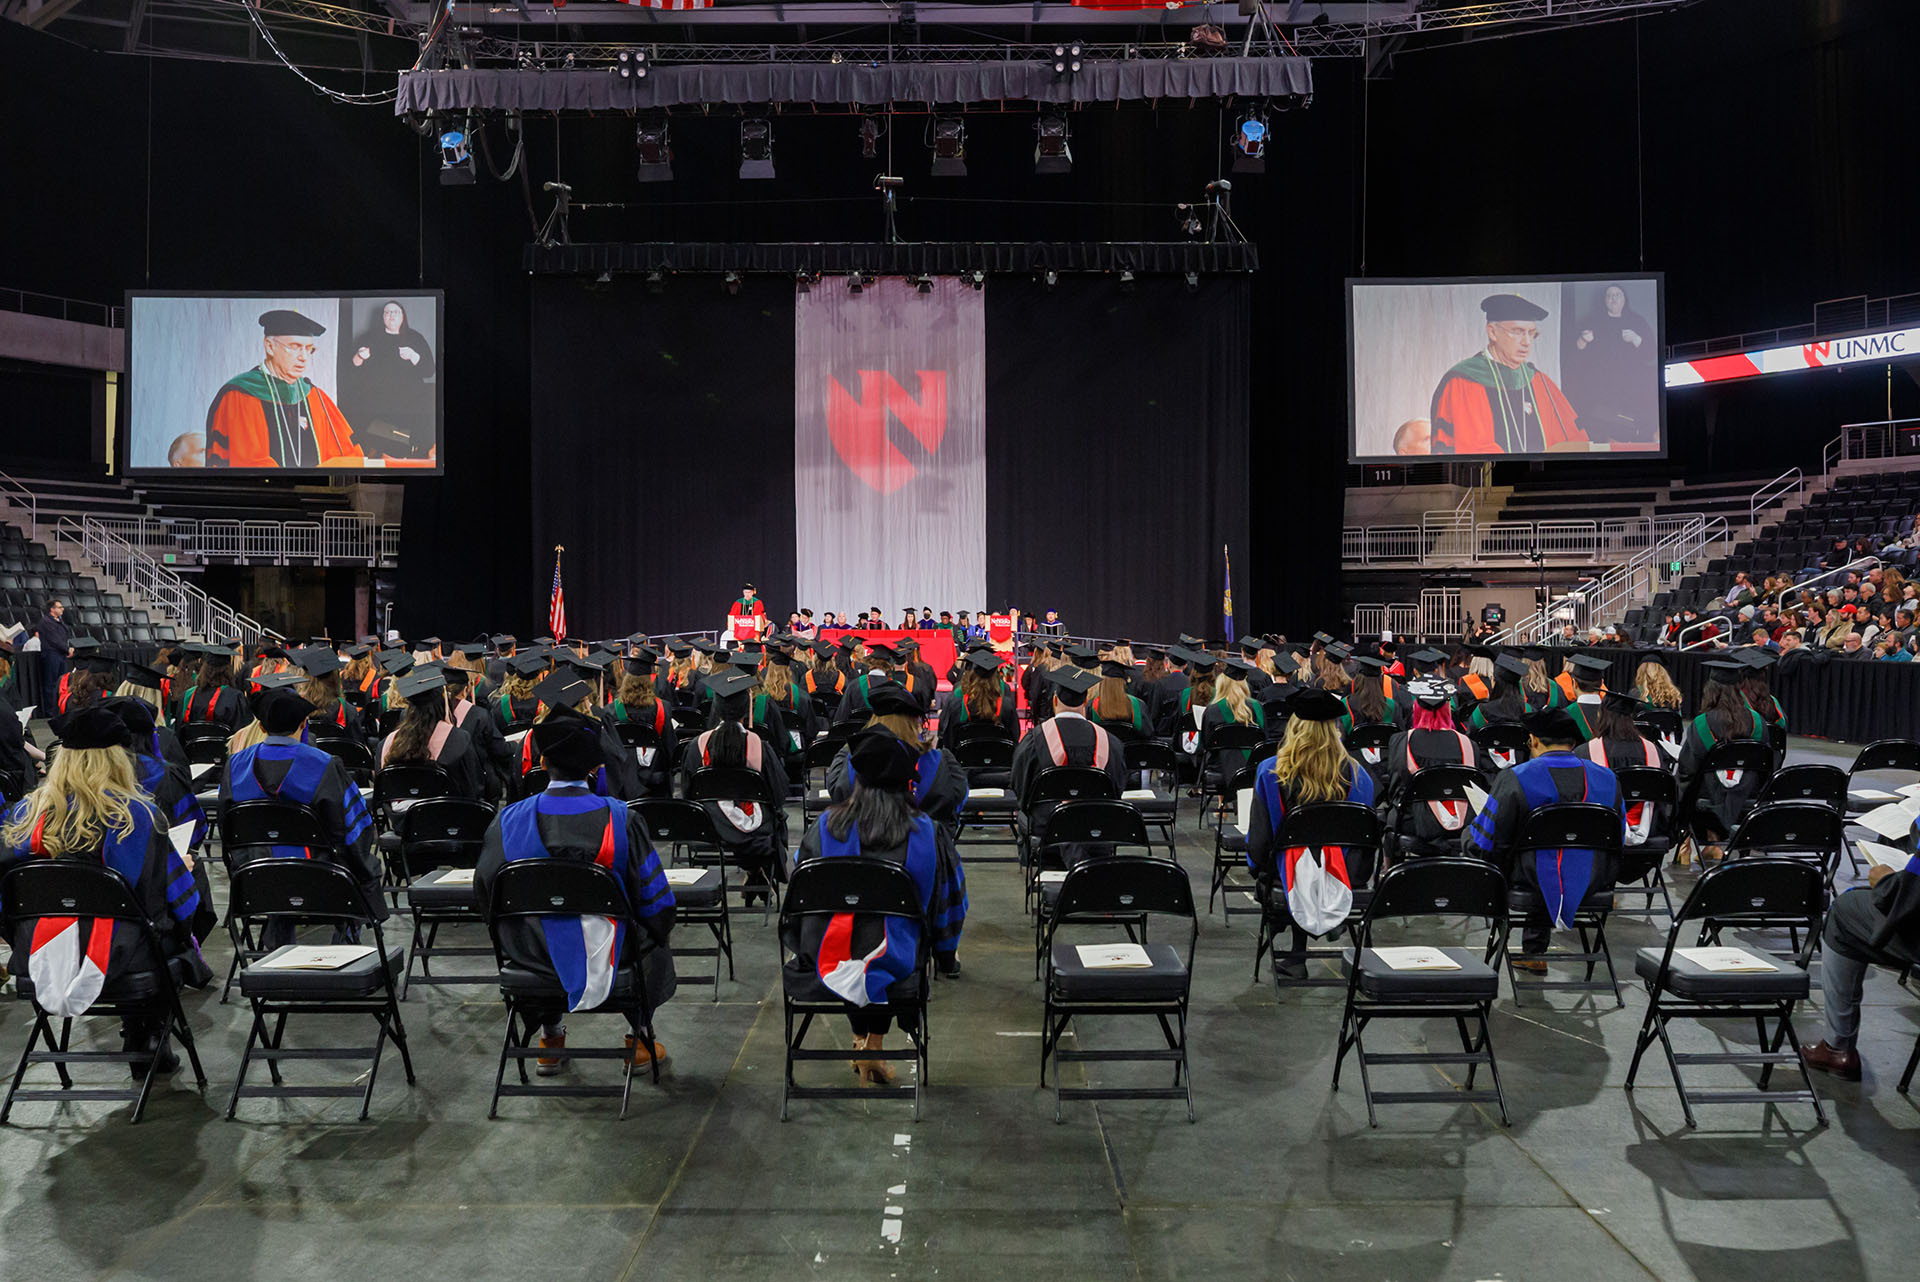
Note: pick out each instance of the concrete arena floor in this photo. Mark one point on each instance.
(1280, 1177)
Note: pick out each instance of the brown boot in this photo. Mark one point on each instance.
(1683, 857)
(550, 1065)
(644, 1054)
(873, 1072)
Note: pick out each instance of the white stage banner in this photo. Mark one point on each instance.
(889, 451)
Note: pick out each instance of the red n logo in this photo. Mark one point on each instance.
(858, 427)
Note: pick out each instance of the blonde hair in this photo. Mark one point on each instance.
(1313, 759)
(88, 793)
(1656, 687)
(321, 690)
(680, 669)
(1535, 682)
(145, 694)
(909, 730)
(1122, 654)
(245, 737)
(515, 686)
(1481, 666)
(776, 683)
(1232, 691)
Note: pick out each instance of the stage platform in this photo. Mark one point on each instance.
(1279, 1178)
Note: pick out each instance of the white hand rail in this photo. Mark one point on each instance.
(19, 495)
(1793, 480)
(195, 611)
(1870, 562)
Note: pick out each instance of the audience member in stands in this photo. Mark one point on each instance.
(1835, 631)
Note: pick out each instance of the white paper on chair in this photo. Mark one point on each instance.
(1891, 822)
(1243, 809)
(1477, 798)
(316, 957)
(1113, 956)
(1726, 961)
(1137, 794)
(1877, 796)
(26, 715)
(399, 805)
(985, 794)
(454, 877)
(1052, 876)
(1671, 748)
(181, 835)
(1891, 856)
(1911, 790)
(1416, 958)
(200, 771)
(684, 876)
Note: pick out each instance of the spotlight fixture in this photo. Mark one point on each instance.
(923, 283)
(1189, 219)
(756, 147)
(802, 282)
(1051, 155)
(856, 284)
(630, 64)
(976, 278)
(1126, 282)
(1052, 278)
(732, 281)
(656, 155)
(869, 137)
(1193, 282)
(656, 281)
(1249, 143)
(456, 157)
(949, 147)
(1066, 60)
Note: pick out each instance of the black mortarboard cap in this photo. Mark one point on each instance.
(1428, 657)
(1511, 307)
(357, 651)
(1624, 704)
(731, 684)
(890, 698)
(397, 663)
(1317, 705)
(1285, 663)
(1238, 668)
(1757, 657)
(1368, 661)
(569, 742)
(138, 717)
(457, 678)
(285, 322)
(1253, 645)
(141, 675)
(281, 709)
(1430, 693)
(1077, 680)
(881, 759)
(1111, 668)
(884, 653)
(1553, 725)
(1724, 671)
(562, 690)
(318, 661)
(471, 650)
(96, 727)
(1586, 663)
(528, 665)
(1507, 665)
(780, 657)
(415, 684)
(1340, 653)
(985, 660)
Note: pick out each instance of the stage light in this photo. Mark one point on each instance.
(856, 284)
(656, 282)
(1053, 278)
(456, 158)
(976, 278)
(756, 147)
(802, 282)
(1066, 59)
(1051, 155)
(949, 147)
(1249, 143)
(869, 137)
(656, 155)
(631, 64)
(732, 281)
(923, 283)
(1193, 282)
(1126, 282)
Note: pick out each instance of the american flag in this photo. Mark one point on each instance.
(557, 607)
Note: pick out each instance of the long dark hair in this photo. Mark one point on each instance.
(413, 741)
(1506, 703)
(1364, 698)
(980, 692)
(1725, 709)
(637, 691)
(727, 742)
(1616, 726)
(884, 816)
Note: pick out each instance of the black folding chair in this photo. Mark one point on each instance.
(533, 888)
(1230, 856)
(815, 799)
(740, 786)
(642, 741)
(682, 826)
(1214, 742)
(1663, 726)
(1761, 891)
(313, 892)
(530, 784)
(1808, 832)
(440, 840)
(827, 888)
(259, 826)
(1821, 784)
(1102, 892)
(1099, 822)
(1743, 755)
(1355, 830)
(395, 788)
(1157, 767)
(1642, 863)
(1444, 784)
(1881, 757)
(987, 760)
(354, 755)
(1570, 825)
(1506, 743)
(1057, 783)
(81, 888)
(1442, 885)
(690, 719)
(1369, 743)
(390, 719)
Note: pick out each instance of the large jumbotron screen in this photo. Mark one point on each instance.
(1505, 367)
(286, 382)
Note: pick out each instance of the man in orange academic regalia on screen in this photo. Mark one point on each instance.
(1496, 401)
(273, 415)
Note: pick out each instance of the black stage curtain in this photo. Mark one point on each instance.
(663, 449)
(1116, 430)
(1851, 700)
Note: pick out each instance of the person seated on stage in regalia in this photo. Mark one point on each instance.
(754, 833)
(570, 821)
(91, 808)
(877, 820)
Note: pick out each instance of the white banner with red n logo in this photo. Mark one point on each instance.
(889, 450)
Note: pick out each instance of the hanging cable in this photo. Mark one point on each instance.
(1639, 147)
(385, 96)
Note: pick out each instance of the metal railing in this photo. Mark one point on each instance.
(1831, 318)
(58, 308)
(1851, 567)
(337, 536)
(1789, 483)
(1448, 533)
(1401, 618)
(191, 609)
(1859, 442)
(1504, 541)
(19, 496)
(1441, 613)
(1374, 544)
(1624, 586)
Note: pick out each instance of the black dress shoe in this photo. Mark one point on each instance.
(947, 965)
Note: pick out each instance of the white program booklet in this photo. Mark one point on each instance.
(1137, 794)
(684, 876)
(1243, 810)
(26, 715)
(1671, 748)
(1416, 958)
(1875, 796)
(311, 957)
(1892, 822)
(1476, 797)
(516, 736)
(1113, 956)
(454, 877)
(986, 794)
(1725, 961)
(1892, 857)
(181, 835)
(200, 771)
(1052, 876)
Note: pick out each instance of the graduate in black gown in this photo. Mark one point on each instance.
(216, 696)
(883, 664)
(639, 703)
(1431, 739)
(981, 695)
(790, 705)
(917, 676)
(755, 834)
(1066, 738)
(939, 785)
(427, 735)
(496, 758)
(1721, 798)
(513, 704)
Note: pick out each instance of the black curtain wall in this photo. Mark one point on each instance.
(663, 449)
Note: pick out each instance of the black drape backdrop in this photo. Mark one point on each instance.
(667, 472)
